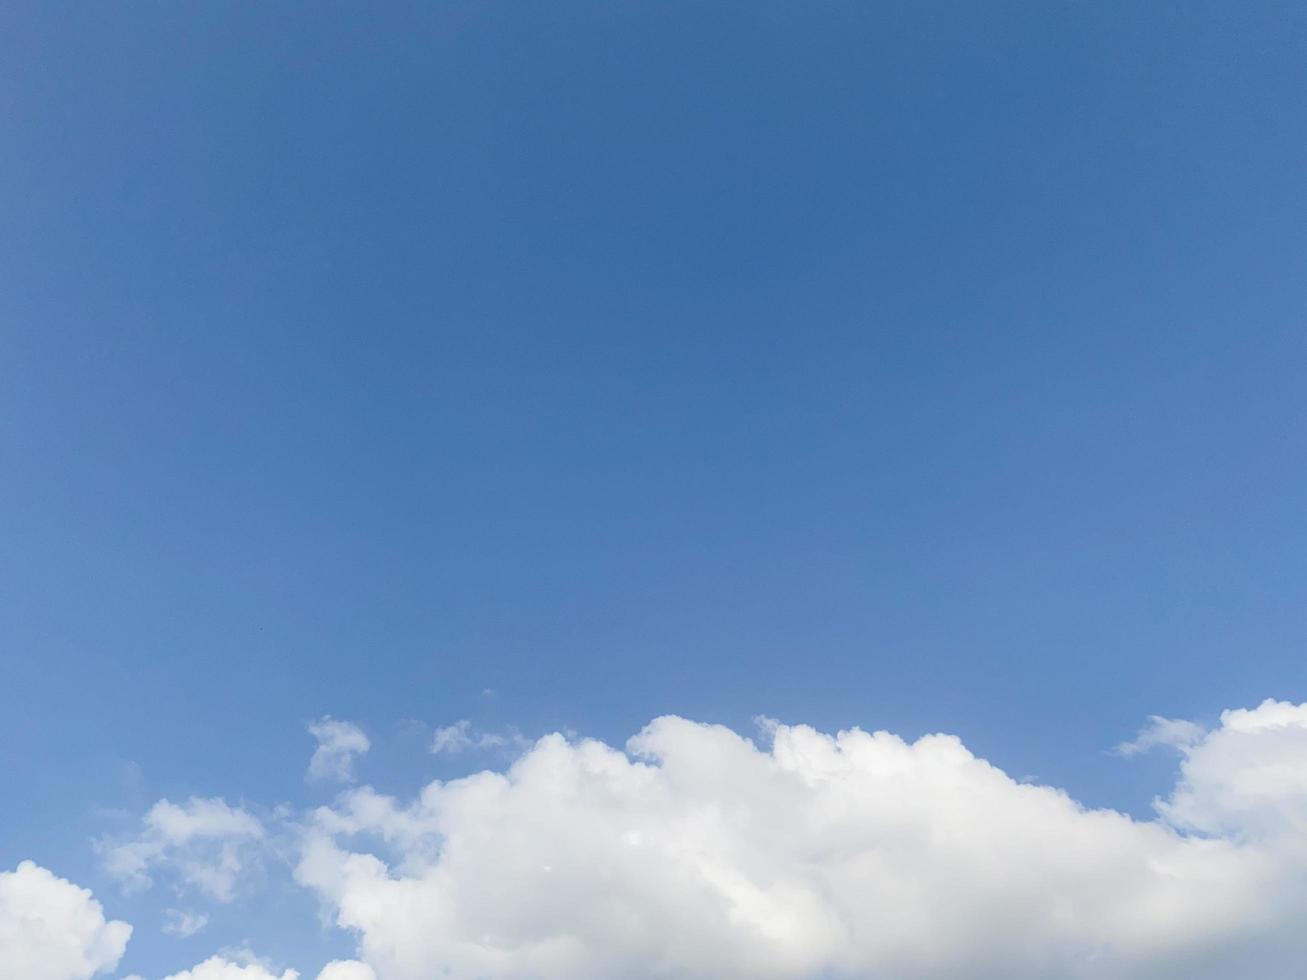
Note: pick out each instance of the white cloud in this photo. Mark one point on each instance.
(183, 923)
(697, 854)
(207, 843)
(242, 968)
(339, 743)
(1247, 780)
(1161, 731)
(241, 964)
(347, 970)
(50, 929)
(462, 737)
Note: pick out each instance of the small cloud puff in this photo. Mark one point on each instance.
(339, 744)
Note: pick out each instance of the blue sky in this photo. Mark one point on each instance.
(927, 367)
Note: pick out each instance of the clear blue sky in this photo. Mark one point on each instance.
(925, 366)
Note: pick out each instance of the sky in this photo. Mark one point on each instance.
(404, 405)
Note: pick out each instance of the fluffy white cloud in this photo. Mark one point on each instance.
(696, 853)
(347, 970)
(339, 744)
(243, 965)
(50, 929)
(205, 842)
(1247, 779)
(221, 968)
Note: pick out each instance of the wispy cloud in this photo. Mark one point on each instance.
(206, 843)
(339, 744)
(183, 922)
(462, 737)
(1169, 732)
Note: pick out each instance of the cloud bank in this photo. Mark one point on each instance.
(696, 853)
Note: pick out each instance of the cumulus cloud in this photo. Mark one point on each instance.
(1247, 780)
(206, 843)
(347, 970)
(339, 744)
(462, 737)
(244, 965)
(242, 968)
(50, 929)
(696, 853)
